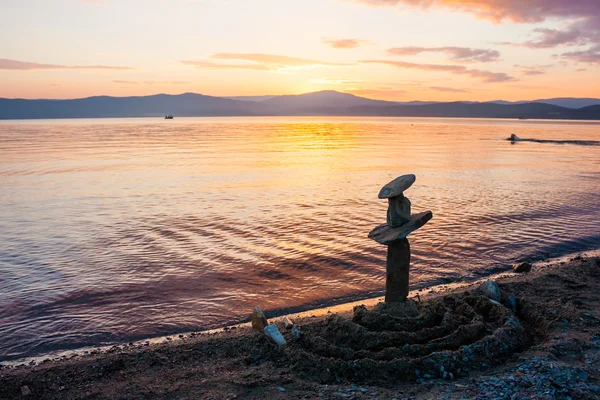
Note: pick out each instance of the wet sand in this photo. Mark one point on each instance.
(458, 345)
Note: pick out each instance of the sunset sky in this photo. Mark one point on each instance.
(385, 49)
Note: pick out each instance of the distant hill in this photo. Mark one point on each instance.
(311, 102)
(317, 103)
(250, 98)
(187, 104)
(568, 102)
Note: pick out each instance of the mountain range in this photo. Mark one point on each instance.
(315, 104)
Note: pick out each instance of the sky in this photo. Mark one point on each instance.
(442, 50)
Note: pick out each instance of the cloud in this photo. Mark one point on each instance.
(216, 65)
(499, 10)
(344, 43)
(455, 53)
(149, 82)
(126, 82)
(531, 87)
(259, 61)
(448, 89)
(531, 70)
(167, 82)
(273, 59)
(590, 56)
(27, 66)
(582, 16)
(553, 37)
(486, 76)
(575, 34)
(333, 81)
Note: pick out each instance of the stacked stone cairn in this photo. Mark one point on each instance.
(400, 223)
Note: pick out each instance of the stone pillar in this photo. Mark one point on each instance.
(400, 223)
(397, 266)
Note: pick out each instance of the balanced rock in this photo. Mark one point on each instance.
(386, 234)
(398, 212)
(522, 267)
(397, 186)
(491, 290)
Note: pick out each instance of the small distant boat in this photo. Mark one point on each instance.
(168, 116)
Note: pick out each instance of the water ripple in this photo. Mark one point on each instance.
(114, 230)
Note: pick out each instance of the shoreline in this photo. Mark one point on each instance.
(559, 307)
(330, 306)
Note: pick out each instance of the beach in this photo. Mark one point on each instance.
(553, 351)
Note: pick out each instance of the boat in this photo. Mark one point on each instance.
(168, 116)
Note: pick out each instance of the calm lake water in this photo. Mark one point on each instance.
(113, 230)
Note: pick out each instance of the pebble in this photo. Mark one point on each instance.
(25, 391)
(511, 303)
(491, 290)
(522, 267)
(296, 333)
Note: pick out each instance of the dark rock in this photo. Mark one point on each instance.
(522, 267)
(511, 303)
(287, 323)
(397, 186)
(25, 391)
(491, 290)
(398, 212)
(385, 234)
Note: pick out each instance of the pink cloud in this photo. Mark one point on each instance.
(583, 15)
(126, 82)
(258, 61)
(27, 66)
(590, 56)
(486, 76)
(344, 43)
(216, 65)
(455, 53)
(448, 89)
(533, 69)
(272, 59)
(498, 10)
(553, 37)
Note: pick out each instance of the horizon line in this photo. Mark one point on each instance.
(232, 97)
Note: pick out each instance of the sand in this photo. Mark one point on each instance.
(451, 343)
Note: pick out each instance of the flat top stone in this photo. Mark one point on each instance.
(385, 234)
(397, 186)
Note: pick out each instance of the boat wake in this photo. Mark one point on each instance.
(515, 139)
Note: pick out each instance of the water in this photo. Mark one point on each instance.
(113, 230)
